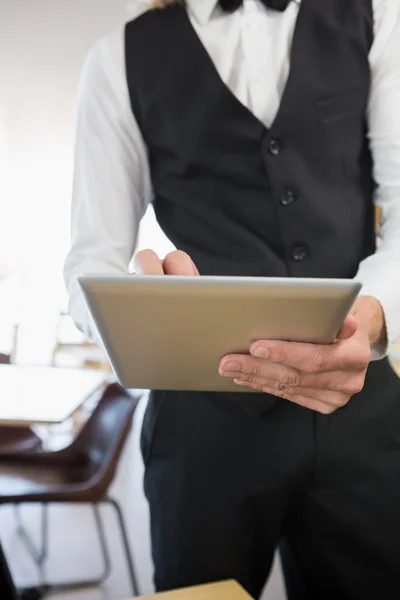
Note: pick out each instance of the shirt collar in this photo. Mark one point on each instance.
(203, 9)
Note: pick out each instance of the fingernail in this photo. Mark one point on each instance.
(231, 366)
(260, 352)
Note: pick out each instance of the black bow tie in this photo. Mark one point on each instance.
(232, 5)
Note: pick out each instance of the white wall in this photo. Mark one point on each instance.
(43, 44)
(42, 47)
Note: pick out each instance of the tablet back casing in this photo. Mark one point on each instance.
(170, 333)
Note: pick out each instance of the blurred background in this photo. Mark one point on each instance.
(43, 44)
(42, 47)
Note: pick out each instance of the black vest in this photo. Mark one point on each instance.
(241, 199)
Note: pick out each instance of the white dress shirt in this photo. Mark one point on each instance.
(250, 49)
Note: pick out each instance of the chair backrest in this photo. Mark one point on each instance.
(102, 438)
(17, 440)
(92, 459)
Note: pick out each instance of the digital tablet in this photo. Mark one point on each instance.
(170, 333)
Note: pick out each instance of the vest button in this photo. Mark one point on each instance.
(300, 252)
(287, 198)
(274, 147)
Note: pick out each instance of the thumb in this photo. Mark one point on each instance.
(179, 263)
(348, 328)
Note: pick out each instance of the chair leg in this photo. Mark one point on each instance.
(124, 535)
(103, 542)
(73, 585)
(39, 555)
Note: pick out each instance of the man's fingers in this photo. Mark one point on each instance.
(179, 263)
(312, 358)
(308, 358)
(283, 378)
(288, 392)
(146, 262)
(348, 328)
(253, 369)
(310, 403)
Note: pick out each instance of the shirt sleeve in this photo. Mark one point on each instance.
(111, 188)
(380, 273)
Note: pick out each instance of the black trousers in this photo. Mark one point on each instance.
(225, 490)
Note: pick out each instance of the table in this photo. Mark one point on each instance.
(44, 395)
(228, 590)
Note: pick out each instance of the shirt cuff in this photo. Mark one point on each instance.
(387, 294)
(83, 319)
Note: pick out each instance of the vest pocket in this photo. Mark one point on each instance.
(341, 106)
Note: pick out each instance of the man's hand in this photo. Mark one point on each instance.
(146, 262)
(322, 378)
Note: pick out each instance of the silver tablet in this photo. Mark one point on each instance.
(170, 333)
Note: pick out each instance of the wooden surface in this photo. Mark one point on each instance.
(378, 218)
(228, 590)
(396, 366)
(43, 395)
